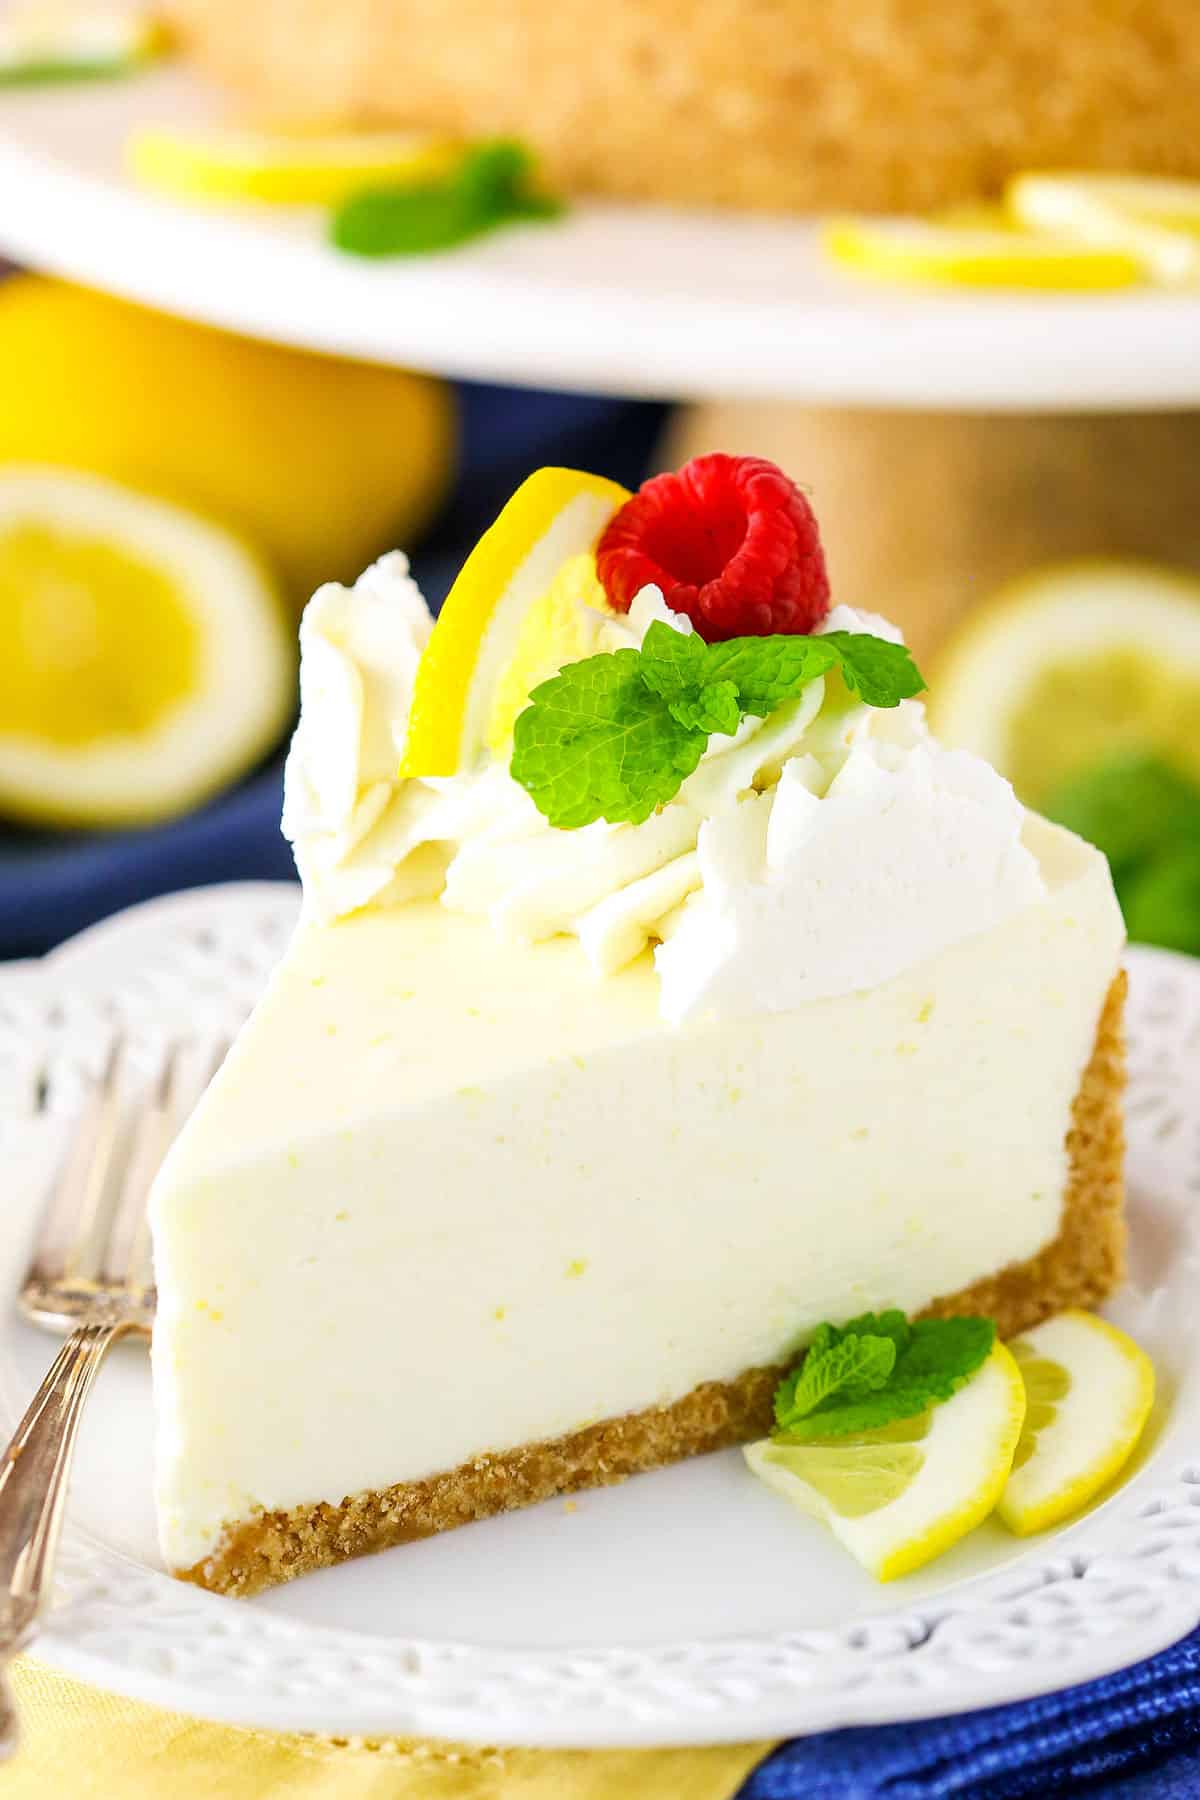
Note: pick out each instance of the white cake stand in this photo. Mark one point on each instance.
(615, 299)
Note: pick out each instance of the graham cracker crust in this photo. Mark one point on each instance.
(1081, 1266)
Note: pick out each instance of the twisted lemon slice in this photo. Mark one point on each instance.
(1089, 1390)
(212, 163)
(899, 1496)
(526, 601)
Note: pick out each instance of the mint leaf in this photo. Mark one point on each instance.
(499, 177)
(492, 185)
(1130, 807)
(669, 698)
(36, 71)
(768, 671)
(1162, 900)
(880, 673)
(714, 708)
(849, 1370)
(408, 221)
(933, 1360)
(596, 743)
(891, 1324)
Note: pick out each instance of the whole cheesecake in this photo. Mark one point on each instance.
(784, 104)
(622, 1042)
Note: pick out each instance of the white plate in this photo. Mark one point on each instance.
(615, 299)
(687, 1606)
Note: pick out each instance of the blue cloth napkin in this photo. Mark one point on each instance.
(1130, 1736)
(54, 884)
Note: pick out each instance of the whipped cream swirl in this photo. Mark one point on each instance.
(819, 851)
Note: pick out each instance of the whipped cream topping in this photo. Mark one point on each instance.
(819, 851)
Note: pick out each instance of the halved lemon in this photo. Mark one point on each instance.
(1089, 1390)
(1156, 221)
(214, 163)
(1072, 665)
(975, 255)
(525, 602)
(898, 1497)
(144, 661)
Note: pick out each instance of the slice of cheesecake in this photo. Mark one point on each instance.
(547, 1147)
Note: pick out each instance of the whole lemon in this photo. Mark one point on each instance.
(321, 462)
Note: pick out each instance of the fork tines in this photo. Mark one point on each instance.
(95, 1236)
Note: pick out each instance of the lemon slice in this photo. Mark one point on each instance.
(143, 656)
(1156, 221)
(975, 255)
(1073, 665)
(218, 164)
(897, 1497)
(1089, 1390)
(514, 616)
(47, 42)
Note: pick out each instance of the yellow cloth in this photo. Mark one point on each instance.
(82, 1744)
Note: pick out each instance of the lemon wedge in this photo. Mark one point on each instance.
(976, 255)
(282, 169)
(898, 1497)
(1070, 666)
(526, 601)
(144, 661)
(1156, 221)
(1089, 1390)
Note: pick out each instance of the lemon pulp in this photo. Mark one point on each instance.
(94, 640)
(859, 1477)
(559, 628)
(1075, 714)
(1046, 1384)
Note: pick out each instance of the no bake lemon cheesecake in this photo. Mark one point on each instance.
(663, 990)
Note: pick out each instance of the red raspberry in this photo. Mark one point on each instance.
(729, 540)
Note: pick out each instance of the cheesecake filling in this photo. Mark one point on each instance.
(433, 1160)
(793, 838)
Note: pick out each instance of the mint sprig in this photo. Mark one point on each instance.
(615, 736)
(492, 185)
(875, 1370)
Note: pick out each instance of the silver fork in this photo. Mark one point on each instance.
(91, 1277)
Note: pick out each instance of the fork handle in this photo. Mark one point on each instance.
(33, 1488)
